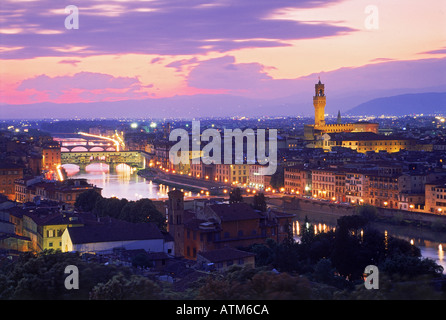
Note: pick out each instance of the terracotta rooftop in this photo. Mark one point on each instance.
(234, 211)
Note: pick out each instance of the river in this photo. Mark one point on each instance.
(430, 243)
(125, 183)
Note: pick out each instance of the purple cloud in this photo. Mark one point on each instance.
(439, 51)
(68, 61)
(252, 80)
(81, 80)
(155, 27)
(86, 85)
(179, 64)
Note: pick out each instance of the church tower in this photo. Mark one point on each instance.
(339, 119)
(319, 102)
(175, 212)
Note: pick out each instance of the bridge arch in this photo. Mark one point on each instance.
(71, 169)
(97, 149)
(79, 149)
(97, 167)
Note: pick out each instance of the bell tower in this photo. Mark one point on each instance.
(175, 212)
(319, 102)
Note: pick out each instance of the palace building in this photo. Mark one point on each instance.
(320, 127)
(361, 136)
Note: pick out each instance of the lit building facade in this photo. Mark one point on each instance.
(320, 126)
(435, 194)
(51, 157)
(8, 174)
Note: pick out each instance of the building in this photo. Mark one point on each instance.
(65, 191)
(363, 142)
(257, 179)
(222, 259)
(112, 234)
(324, 181)
(45, 227)
(355, 186)
(320, 126)
(22, 192)
(435, 195)
(51, 157)
(297, 180)
(9, 172)
(382, 190)
(211, 225)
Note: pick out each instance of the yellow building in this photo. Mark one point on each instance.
(435, 197)
(45, 229)
(363, 142)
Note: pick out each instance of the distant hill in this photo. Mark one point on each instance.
(405, 104)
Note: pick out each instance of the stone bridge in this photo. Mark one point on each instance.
(135, 159)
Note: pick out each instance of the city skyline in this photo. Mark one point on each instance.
(156, 55)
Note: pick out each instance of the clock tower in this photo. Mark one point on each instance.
(319, 102)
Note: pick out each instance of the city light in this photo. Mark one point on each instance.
(116, 142)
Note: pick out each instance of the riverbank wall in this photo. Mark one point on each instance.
(393, 216)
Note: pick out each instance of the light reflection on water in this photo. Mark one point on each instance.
(123, 182)
(428, 249)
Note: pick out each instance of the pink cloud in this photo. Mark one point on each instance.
(70, 61)
(82, 87)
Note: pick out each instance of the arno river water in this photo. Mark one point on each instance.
(123, 182)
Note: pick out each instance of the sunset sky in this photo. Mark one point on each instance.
(262, 49)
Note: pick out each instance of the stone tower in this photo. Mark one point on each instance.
(339, 119)
(175, 213)
(319, 102)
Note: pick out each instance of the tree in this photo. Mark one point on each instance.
(86, 201)
(121, 287)
(277, 179)
(260, 202)
(324, 271)
(42, 276)
(236, 196)
(111, 207)
(142, 210)
(307, 232)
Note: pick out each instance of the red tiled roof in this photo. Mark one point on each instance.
(234, 211)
